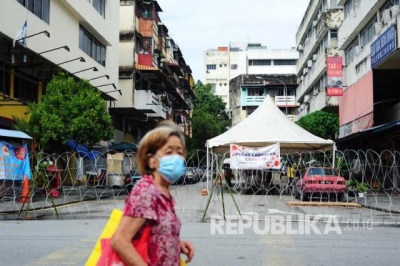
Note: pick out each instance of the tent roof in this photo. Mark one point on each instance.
(265, 126)
(14, 134)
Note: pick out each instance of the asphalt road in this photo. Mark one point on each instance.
(69, 242)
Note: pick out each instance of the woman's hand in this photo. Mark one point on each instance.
(188, 250)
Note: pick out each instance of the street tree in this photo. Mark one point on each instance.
(321, 124)
(70, 110)
(209, 117)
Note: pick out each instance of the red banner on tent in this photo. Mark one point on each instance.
(335, 76)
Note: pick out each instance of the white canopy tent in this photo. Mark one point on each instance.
(268, 125)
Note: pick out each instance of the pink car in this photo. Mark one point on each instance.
(318, 181)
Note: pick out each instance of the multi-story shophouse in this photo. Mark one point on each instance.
(369, 107)
(75, 36)
(224, 64)
(155, 80)
(317, 41)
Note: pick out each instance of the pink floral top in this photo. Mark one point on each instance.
(147, 201)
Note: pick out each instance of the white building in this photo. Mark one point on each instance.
(79, 37)
(317, 39)
(369, 38)
(226, 63)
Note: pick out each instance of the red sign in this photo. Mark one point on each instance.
(335, 76)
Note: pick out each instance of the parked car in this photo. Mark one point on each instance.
(131, 179)
(199, 173)
(189, 177)
(318, 181)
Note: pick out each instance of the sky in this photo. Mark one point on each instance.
(198, 25)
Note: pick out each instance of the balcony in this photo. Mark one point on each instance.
(145, 27)
(145, 59)
(330, 19)
(149, 103)
(282, 101)
(252, 100)
(315, 72)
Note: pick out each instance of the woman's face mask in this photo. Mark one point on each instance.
(172, 167)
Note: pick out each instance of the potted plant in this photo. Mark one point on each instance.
(362, 189)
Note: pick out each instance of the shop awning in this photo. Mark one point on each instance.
(145, 68)
(14, 134)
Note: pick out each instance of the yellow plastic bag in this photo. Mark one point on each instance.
(108, 232)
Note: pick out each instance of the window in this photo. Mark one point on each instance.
(350, 53)
(234, 66)
(284, 62)
(334, 34)
(41, 8)
(211, 67)
(25, 89)
(100, 6)
(92, 47)
(368, 32)
(348, 7)
(255, 92)
(261, 62)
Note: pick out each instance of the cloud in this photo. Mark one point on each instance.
(200, 25)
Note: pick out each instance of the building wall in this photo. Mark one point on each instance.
(351, 105)
(64, 22)
(235, 62)
(316, 40)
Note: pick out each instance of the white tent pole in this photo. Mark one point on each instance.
(208, 164)
(334, 155)
(212, 166)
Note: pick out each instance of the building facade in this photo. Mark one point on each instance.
(226, 63)
(369, 107)
(155, 80)
(317, 40)
(74, 36)
(247, 92)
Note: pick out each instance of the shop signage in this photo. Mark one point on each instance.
(335, 76)
(382, 47)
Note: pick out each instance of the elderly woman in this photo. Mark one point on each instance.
(160, 157)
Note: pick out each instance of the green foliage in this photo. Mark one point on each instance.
(209, 118)
(362, 187)
(21, 124)
(70, 109)
(321, 124)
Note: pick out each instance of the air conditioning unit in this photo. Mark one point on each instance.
(395, 10)
(357, 49)
(315, 92)
(378, 27)
(302, 77)
(386, 16)
(306, 98)
(309, 63)
(305, 71)
(300, 48)
(314, 57)
(314, 23)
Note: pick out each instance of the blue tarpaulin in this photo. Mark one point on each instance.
(82, 150)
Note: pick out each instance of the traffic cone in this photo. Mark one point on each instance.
(204, 192)
(25, 191)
